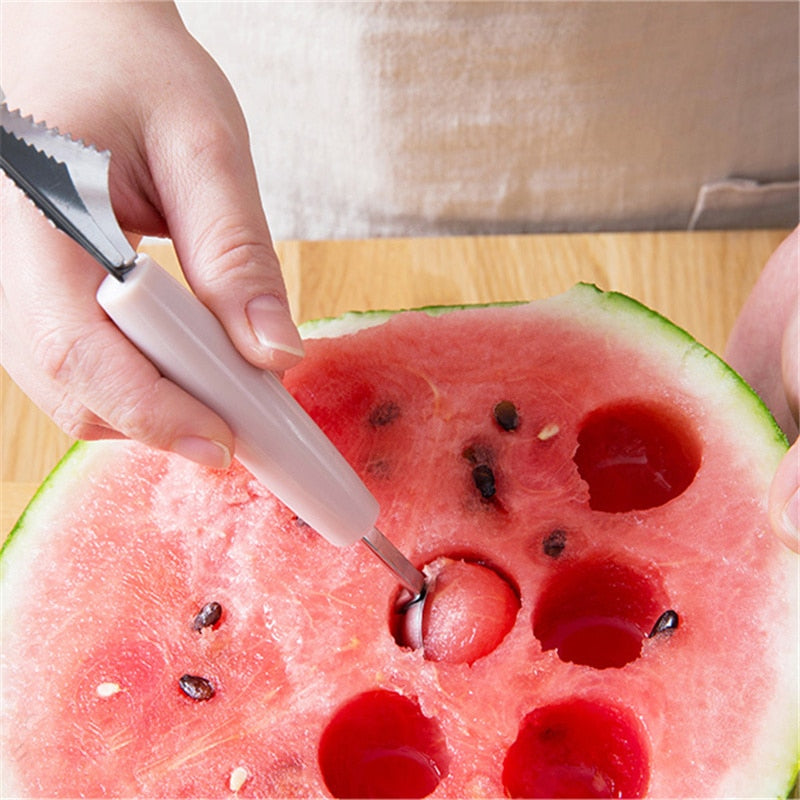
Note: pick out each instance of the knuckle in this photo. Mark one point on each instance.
(230, 252)
(214, 143)
(63, 355)
(91, 382)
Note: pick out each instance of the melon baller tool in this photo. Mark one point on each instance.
(275, 438)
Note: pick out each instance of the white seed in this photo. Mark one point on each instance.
(107, 689)
(548, 432)
(238, 777)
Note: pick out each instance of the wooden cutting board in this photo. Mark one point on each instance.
(699, 280)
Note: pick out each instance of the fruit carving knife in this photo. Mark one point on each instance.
(275, 438)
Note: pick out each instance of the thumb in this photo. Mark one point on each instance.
(784, 499)
(210, 199)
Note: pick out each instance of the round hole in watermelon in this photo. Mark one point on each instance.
(635, 456)
(467, 611)
(380, 744)
(577, 748)
(598, 612)
(123, 545)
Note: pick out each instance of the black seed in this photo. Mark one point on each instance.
(477, 454)
(384, 414)
(506, 416)
(196, 687)
(666, 623)
(554, 543)
(484, 480)
(208, 615)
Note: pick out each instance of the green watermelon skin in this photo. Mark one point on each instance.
(104, 574)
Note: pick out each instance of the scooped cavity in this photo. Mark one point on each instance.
(577, 748)
(636, 456)
(380, 744)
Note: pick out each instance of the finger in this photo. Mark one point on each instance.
(56, 401)
(755, 343)
(784, 499)
(74, 363)
(790, 364)
(210, 198)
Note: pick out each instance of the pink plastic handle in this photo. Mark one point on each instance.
(275, 438)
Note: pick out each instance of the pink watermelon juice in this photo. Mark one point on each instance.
(611, 615)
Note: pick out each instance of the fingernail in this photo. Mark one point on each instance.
(203, 451)
(273, 326)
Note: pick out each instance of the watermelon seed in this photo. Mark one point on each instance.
(506, 416)
(238, 777)
(666, 623)
(107, 689)
(208, 616)
(196, 687)
(548, 432)
(554, 543)
(477, 454)
(483, 477)
(384, 414)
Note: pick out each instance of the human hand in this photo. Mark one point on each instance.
(763, 348)
(128, 77)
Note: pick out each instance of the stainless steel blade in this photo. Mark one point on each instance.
(68, 181)
(405, 571)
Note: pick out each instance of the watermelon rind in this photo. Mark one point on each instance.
(354, 321)
(54, 486)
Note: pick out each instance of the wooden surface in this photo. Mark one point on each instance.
(699, 280)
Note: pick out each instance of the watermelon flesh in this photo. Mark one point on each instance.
(611, 616)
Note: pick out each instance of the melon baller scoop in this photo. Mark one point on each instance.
(275, 438)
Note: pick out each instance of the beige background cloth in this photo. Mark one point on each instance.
(412, 118)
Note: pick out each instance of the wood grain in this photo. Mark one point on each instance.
(699, 280)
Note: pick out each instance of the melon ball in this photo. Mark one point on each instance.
(467, 612)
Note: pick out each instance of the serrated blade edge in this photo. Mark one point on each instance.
(88, 168)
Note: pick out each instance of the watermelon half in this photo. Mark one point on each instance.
(612, 615)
